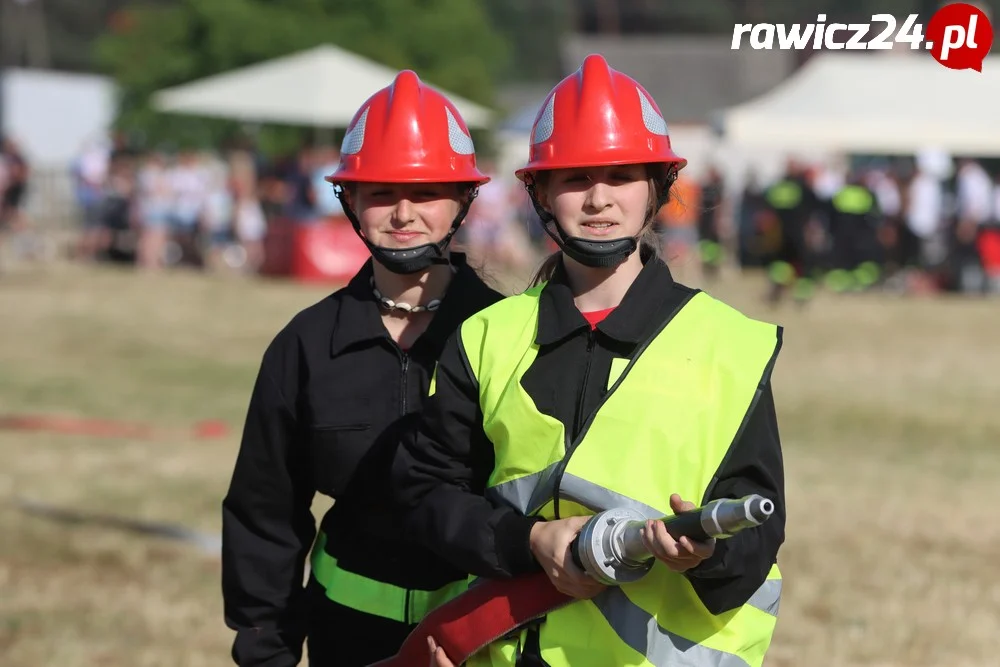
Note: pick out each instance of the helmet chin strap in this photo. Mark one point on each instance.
(407, 260)
(594, 254)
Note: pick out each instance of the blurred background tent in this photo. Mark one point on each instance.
(897, 104)
(321, 87)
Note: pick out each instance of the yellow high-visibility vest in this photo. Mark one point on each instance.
(666, 425)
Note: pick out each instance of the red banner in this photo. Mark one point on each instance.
(321, 251)
(989, 251)
(328, 252)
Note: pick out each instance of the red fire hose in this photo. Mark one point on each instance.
(491, 609)
(487, 611)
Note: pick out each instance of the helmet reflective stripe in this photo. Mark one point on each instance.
(460, 142)
(355, 137)
(653, 121)
(545, 123)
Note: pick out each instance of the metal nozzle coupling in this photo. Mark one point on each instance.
(601, 550)
(610, 546)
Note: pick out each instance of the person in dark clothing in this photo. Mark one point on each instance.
(302, 199)
(794, 204)
(855, 224)
(709, 223)
(605, 385)
(337, 388)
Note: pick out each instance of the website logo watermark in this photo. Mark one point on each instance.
(959, 35)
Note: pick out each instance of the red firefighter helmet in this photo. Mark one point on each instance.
(598, 116)
(408, 133)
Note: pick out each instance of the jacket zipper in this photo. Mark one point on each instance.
(593, 415)
(404, 359)
(591, 339)
(406, 363)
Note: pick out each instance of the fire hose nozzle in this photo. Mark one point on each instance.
(610, 547)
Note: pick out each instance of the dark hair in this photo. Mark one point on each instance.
(649, 239)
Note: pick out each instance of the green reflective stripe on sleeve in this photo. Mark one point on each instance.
(376, 597)
(355, 591)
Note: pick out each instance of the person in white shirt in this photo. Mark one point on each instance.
(189, 187)
(886, 189)
(249, 221)
(154, 208)
(218, 210)
(924, 212)
(974, 194)
(973, 212)
(889, 197)
(90, 173)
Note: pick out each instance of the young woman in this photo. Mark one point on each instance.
(337, 387)
(606, 385)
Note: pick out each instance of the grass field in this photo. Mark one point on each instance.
(890, 418)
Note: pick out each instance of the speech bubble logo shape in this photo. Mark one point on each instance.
(960, 36)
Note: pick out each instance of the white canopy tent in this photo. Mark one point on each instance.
(320, 87)
(893, 103)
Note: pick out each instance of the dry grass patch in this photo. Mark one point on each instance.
(889, 418)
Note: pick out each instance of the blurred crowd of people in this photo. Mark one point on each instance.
(195, 208)
(908, 225)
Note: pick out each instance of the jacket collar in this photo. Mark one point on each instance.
(359, 320)
(631, 322)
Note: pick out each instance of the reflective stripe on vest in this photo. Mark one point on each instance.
(665, 426)
(376, 597)
(644, 635)
(530, 493)
(784, 195)
(854, 200)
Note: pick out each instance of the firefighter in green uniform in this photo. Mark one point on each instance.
(794, 205)
(855, 222)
